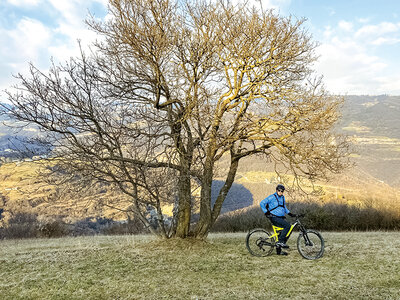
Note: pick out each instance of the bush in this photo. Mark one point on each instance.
(53, 229)
(21, 225)
(131, 226)
(27, 225)
(329, 216)
(241, 220)
(91, 226)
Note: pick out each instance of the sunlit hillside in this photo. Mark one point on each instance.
(23, 190)
(353, 187)
(373, 123)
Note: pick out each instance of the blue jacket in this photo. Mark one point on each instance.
(275, 204)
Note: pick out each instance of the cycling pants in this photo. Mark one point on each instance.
(281, 222)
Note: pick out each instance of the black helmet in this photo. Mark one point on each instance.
(280, 187)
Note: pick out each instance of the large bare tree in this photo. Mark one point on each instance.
(171, 88)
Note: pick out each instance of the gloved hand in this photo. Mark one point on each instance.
(292, 215)
(268, 214)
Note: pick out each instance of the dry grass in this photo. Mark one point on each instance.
(26, 191)
(355, 266)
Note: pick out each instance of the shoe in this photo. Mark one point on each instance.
(282, 245)
(283, 253)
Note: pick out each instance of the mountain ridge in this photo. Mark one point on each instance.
(372, 122)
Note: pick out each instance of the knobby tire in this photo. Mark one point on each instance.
(259, 242)
(314, 250)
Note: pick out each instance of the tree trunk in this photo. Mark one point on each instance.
(224, 190)
(184, 206)
(205, 201)
(208, 216)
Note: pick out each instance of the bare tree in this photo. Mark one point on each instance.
(174, 86)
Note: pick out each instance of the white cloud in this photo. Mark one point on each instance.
(30, 37)
(275, 4)
(328, 32)
(391, 83)
(351, 66)
(363, 20)
(25, 42)
(347, 26)
(378, 30)
(266, 4)
(71, 26)
(37, 41)
(388, 41)
(23, 3)
(344, 59)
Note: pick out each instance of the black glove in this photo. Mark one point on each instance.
(268, 214)
(292, 215)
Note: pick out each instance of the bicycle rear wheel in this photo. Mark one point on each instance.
(310, 244)
(259, 242)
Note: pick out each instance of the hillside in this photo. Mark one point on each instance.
(352, 187)
(373, 122)
(23, 190)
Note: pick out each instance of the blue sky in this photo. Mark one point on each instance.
(359, 39)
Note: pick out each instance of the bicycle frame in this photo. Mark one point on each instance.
(277, 230)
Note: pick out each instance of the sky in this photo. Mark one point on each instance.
(359, 40)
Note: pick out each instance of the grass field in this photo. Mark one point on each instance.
(355, 266)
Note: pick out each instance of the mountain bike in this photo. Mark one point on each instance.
(310, 243)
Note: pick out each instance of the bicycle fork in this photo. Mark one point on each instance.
(307, 239)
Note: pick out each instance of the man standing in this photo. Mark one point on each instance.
(274, 208)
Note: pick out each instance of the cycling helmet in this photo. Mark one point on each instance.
(280, 187)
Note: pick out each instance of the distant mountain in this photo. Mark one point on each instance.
(374, 124)
(380, 115)
(17, 140)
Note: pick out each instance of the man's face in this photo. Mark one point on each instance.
(279, 192)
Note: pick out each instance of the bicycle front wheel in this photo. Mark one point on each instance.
(310, 244)
(259, 242)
